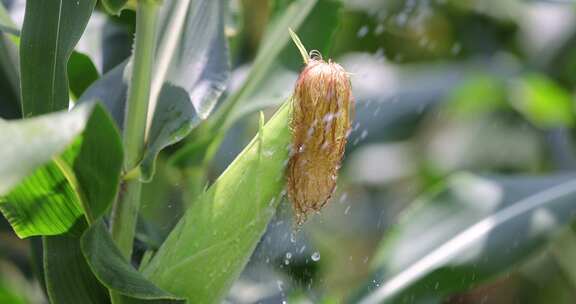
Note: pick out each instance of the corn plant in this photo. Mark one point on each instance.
(81, 152)
(79, 184)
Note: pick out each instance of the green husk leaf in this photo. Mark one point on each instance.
(211, 244)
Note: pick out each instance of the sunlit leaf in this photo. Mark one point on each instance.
(57, 167)
(477, 95)
(6, 23)
(211, 244)
(542, 101)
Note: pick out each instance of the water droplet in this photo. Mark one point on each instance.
(288, 257)
(363, 31)
(379, 29)
(456, 49)
(401, 19)
(268, 153)
(364, 134)
(347, 210)
(343, 197)
(315, 256)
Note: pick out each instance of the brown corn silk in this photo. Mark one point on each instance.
(321, 102)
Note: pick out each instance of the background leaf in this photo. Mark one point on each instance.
(51, 30)
(211, 244)
(82, 73)
(199, 62)
(112, 90)
(542, 101)
(114, 6)
(81, 70)
(6, 24)
(198, 65)
(316, 32)
(470, 230)
(9, 70)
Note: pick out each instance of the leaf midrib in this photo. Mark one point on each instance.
(54, 62)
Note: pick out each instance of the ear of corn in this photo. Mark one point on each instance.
(320, 123)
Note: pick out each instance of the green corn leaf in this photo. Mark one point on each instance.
(542, 101)
(9, 79)
(192, 90)
(51, 30)
(9, 72)
(316, 32)
(69, 280)
(57, 167)
(190, 74)
(211, 244)
(112, 269)
(81, 70)
(470, 230)
(274, 41)
(82, 73)
(112, 90)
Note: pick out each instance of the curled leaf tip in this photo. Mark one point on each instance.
(315, 55)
